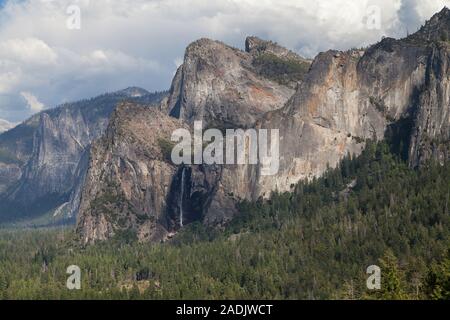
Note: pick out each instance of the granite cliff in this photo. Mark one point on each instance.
(395, 89)
(43, 160)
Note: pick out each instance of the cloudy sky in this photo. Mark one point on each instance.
(45, 59)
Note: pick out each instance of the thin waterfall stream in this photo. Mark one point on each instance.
(182, 196)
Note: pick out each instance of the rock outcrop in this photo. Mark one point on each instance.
(276, 62)
(130, 176)
(256, 46)
(430, 135)
(218, 85)
(40, 166)
(397, 89)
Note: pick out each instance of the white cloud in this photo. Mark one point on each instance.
(9, 77)
(33, 103)
(27, 51)
(6, 125)
(139, 42)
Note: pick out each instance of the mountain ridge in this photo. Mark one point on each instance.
(40, 156)
(344, 99)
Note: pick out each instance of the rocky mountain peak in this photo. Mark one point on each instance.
(210, 51)
(437, 28)
(129, 173)
(440, 19)
(256, 46)
(322, 110)
(133, 92)
(218, 84)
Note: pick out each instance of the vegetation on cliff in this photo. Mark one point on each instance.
(283, 71)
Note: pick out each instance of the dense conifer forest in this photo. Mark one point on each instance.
(312, 243)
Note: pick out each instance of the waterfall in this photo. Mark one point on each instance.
(181, 197)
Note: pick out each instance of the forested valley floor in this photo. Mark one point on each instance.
(315, 242)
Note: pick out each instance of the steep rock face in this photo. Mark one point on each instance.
(130, 177)
(132, 184)
(346, 98)
(38, 169)
(218, 85)
(396, 88)
(431, 130)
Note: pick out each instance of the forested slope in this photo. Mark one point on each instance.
(313, 243)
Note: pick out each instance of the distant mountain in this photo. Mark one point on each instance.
(42, 160)
(5, 125)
